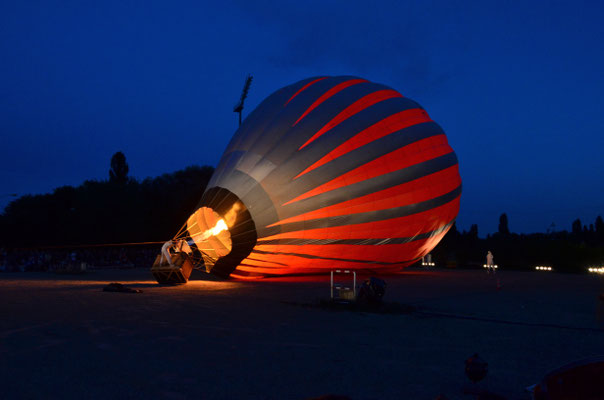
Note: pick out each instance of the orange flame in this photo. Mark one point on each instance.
(219, 227)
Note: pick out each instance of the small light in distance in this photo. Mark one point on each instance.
(543, 268)
(596, 270)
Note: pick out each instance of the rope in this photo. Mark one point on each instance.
(182, 230)
(79, 246)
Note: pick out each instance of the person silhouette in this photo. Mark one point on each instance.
(490, 267)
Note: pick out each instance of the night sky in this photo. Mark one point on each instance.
(519, 89)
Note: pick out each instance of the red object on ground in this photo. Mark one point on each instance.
(581, 380)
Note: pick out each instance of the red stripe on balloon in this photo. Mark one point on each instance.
(381, 253)
(414, 153)
(418, 190)
(247, 268)
(354, 108)
(391, 124)
(302, 265)
(304, 88)
(263, 264)
(401, 227)
(246, 276)
(328, 94)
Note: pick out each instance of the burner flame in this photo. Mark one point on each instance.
(219, 227)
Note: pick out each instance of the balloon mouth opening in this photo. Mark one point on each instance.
(207, 236)
(216, 238)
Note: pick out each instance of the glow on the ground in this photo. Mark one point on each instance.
(212, 285)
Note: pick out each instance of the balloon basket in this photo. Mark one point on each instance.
(176, 273)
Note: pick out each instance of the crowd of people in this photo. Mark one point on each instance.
(77, 259)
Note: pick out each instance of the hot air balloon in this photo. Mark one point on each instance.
(329, 172)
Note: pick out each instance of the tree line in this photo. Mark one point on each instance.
(122, 209)
(117, 210)
(564, 251)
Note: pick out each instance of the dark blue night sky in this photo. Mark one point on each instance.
(518, 88)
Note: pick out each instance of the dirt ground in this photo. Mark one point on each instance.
(61, 336)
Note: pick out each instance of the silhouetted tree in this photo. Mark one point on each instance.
(118, 173)
(503, 224)
(103, 212)
(577, 229)
(473, 233)
(599, 225)
(453, 231)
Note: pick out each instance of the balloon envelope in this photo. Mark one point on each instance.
(330, 172)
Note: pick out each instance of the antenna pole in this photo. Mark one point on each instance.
(246, 87)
